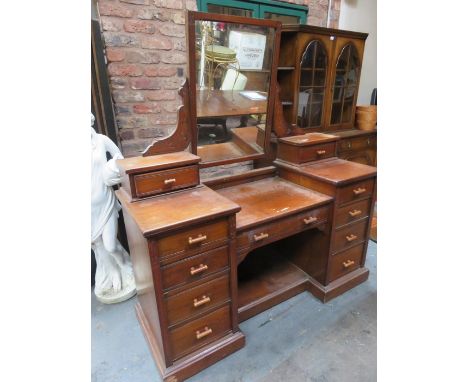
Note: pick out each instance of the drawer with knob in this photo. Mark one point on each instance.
(358, 143)
(199, 332)
(270, 232)
(192, 240)
(194, 268)
(346, 261)
(356, 191)
(157, 182)
(352, 212)
(349, 235)
(194, 301)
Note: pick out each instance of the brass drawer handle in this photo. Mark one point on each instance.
(351, 237)
(261, 236)
(368, 141)
(310, 219)
(355, 213)
(169, 181)
(349, 145)
(202, 301)
(348, 263)
(206, 332)
(359, 191)
(201, 268)
(321, 152)
(198, 239)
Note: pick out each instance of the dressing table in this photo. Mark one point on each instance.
(209, 253)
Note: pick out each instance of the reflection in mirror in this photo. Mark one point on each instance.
(233, 72)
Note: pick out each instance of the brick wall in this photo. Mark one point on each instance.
(145, 50)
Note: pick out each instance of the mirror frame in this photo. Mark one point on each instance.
(191, 18)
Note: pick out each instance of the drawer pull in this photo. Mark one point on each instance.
(201, 268)
(202, 301)
(348, 263)
(206, 332)
(198, 239)
(321, 152)
(169, 181)
(355, 213)
(349, 145)
(261, 236)
(310, 219)
(351, 237)
(359, 191)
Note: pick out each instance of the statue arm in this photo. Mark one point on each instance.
(112, 175)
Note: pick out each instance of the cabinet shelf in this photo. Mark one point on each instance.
(286, 103)
(286, 68)
(274, 279)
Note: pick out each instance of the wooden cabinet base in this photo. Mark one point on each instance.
(195, 362)
(337, 287)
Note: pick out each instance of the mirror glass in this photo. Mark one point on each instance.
(233, 65)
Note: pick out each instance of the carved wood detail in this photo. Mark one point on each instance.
(179, 140)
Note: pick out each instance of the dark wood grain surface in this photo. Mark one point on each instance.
(270, 199)
(177, 209)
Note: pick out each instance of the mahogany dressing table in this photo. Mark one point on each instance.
(209, 254)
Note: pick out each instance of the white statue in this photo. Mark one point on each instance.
(114, 281)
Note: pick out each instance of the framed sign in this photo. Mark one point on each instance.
(250, 48)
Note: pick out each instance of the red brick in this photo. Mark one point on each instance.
(115, 39)
(163, 119)
(174, 58)
(160, 95)
(173, 82)
(126, 134)
(160, 71)
(122, 108)
(179, 44)
(111, 24)
(147, 108)
(171, 107)
(173, 30)
(153, 132)
(139, 26)
(171, 4)
(114, 9)
(145, 57)
(118, 82)
(178, 17)
(145, 83)
(128, 96)
(138, 2)
(191, 5)
(115, 54)
(156, 42)
(130, 122)
(134, 148)
(116, 69)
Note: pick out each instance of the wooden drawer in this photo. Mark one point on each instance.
(345, 262)
(316, 152)
(270, 232)
(358, 143)
(195, 239)
(194, 268)
(197, 300)
(157, 182)
(199, 332)
(349, 235)
(352, 212)
(355, 191)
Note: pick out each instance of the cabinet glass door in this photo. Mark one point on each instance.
(286, 16)
(345, 87)
(312, 85)
(230, 7)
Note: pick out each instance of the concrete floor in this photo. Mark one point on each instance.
(298, 340)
